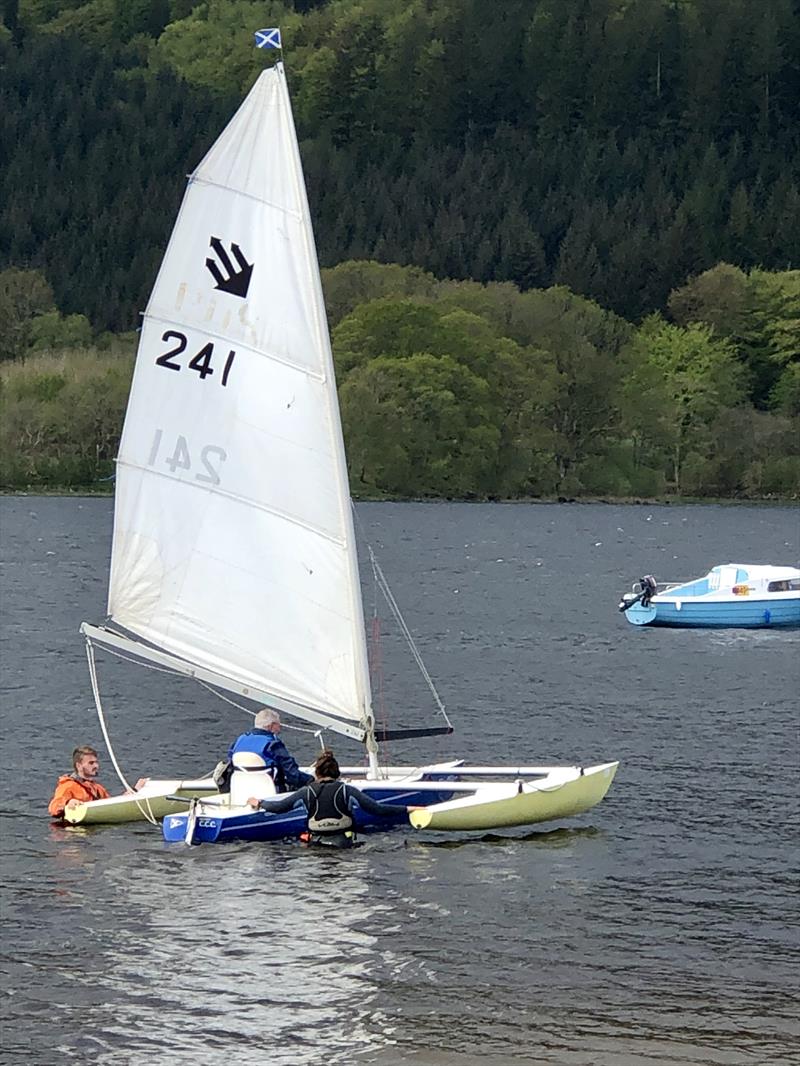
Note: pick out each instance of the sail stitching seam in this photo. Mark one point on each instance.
(291, 212)
(245, 500)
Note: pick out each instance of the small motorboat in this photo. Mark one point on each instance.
(732, 595)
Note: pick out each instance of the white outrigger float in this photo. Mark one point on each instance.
(234, 558)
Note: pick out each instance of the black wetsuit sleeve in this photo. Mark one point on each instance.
(371, 806)
(285, 803)
(295, 777)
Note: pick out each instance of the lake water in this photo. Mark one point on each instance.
(659, 928)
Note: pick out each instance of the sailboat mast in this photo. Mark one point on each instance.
(337, 441)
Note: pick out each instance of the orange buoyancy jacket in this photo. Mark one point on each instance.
(71, 787)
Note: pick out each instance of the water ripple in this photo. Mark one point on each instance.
(660, 928)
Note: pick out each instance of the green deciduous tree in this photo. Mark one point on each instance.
(353, 283)
(24, 294)
(689, 376)
(53, 330)
(419, 426)
(62, 418)
(759, 313)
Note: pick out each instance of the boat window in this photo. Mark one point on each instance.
(788, 585)
(727, 576)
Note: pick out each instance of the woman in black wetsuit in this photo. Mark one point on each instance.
(328, 802)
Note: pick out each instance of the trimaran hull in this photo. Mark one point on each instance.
(452, 800)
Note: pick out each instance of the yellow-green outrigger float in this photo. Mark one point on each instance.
(565, 791)
(152, 802)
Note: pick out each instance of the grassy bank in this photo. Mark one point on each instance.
(61, 414)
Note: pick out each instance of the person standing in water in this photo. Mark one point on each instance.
(328, 801)
(81, 786)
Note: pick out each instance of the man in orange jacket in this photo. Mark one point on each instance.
(79, 786)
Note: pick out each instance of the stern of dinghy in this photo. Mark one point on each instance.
(201, 826)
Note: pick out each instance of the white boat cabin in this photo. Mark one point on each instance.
(738, 579)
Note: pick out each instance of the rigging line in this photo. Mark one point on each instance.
(177, 673)
(107, 648)
(233, 703)
(143, 805)
(383, 584)
(389, 597)
(226, 699)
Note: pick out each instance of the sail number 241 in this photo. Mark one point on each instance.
(200, 362)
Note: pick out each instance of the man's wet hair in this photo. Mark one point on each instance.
(79, 753)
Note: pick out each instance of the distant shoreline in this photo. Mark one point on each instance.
(662, 501)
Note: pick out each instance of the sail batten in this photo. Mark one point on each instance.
(255, 577)
(246, 501)
(250, 196)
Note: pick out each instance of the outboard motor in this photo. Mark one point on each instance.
(648, 587)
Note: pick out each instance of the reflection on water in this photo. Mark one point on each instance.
(240, 947)
(659, 928)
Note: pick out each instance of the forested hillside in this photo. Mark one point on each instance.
(613, 146)
(595, 203)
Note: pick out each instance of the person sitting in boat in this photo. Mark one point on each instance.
(263, 740)
(329, 804)
(81, 785)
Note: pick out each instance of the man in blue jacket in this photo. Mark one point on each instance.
(263, 740)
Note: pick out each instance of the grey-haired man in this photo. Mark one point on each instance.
(264, 740)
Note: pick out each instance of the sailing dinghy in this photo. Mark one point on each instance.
(234, 558)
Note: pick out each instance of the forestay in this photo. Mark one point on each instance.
(233, 540)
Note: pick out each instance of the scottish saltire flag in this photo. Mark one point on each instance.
(268, 38)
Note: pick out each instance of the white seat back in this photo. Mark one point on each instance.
(247, 783)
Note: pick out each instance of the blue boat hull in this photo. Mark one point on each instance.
(741, 614)
(262, 826)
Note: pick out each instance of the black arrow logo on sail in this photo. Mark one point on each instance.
(234, 281)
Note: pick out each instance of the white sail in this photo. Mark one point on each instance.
(233, 541)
